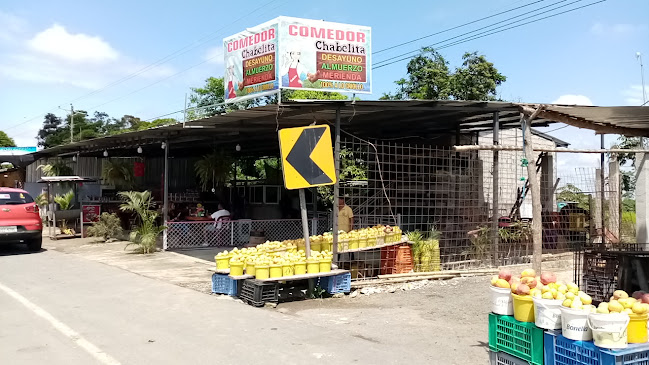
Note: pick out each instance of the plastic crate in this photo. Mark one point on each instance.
(501, 358)
(257, 293)
(600, 288)
(341, 283)
(223, 284)
(562, 351)
(520, 339)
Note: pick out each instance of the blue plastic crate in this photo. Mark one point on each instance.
(559, 350)
(223, 284)
(341, 283)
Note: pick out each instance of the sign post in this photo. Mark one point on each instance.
(307, 161)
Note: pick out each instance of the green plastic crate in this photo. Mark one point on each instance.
(520, 339)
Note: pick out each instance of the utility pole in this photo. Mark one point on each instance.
(71, 123)
(638, 55)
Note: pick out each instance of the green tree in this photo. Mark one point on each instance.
(6, 141)
(477, 79)
(429, 78)
(50, 134)
(209, 99)
(571, 193)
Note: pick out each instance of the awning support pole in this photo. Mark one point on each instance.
(165, 198)
(601, 189)
(336, 186)
(495, 237)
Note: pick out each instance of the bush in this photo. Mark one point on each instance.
(109, 226)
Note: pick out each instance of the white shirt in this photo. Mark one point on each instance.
(219, 214)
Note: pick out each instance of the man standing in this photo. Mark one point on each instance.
(345, 216)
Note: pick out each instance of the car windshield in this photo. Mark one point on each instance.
(15, 198)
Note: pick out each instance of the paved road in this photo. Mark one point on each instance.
(62, 309)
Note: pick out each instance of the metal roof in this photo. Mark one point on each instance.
(256, 128)
(62, 179)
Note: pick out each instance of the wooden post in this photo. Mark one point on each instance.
(535, 189)
(614, 197)
(495, 237)
(305, 223)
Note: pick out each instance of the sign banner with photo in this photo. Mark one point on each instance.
(324, 56)
(295, 53)
(251, 62)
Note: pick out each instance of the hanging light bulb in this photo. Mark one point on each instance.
(74, 158)
(139, 149)
(105, 153)
(238, 147)
(163, 145)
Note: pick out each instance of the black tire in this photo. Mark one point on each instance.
(35, 245)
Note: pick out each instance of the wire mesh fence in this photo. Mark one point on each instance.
(445, 200)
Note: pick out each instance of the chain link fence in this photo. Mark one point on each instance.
(238, 233)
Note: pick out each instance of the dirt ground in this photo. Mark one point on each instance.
(443, 322)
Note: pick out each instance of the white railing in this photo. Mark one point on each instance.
(188, 234)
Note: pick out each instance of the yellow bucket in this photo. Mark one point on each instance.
(316, 246)
(637, 329)
(222, 262)
(236, 268)
(250, 269)
(353, 244)
(288, 270)
(312, 266)
(362, 242)
(523, 308)
(325, 265)
(275, 271)
(300, 268)
(262, 272)
(325, 246)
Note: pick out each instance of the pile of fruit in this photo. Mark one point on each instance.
(620, 302)
(544, 286)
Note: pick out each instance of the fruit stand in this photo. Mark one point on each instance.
(539, 320)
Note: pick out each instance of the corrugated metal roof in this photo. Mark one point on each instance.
(257, 127)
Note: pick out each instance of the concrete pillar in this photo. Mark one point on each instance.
(642, 199)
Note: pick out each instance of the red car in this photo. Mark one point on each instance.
(20, 221)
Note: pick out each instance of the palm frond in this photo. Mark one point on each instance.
(65, 201)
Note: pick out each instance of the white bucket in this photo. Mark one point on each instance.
(501, 301)
(574, 324)
(609, 330)
(547, 313)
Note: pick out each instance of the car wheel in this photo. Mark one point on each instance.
(35, 244)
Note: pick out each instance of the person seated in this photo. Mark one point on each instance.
(220, 215)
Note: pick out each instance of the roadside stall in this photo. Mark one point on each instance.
(61, 208)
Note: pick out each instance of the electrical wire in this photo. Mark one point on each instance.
(491, 33)
(497, 25)
(453, 28)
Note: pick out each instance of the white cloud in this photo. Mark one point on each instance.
(621, 29)
(56, 56)
(633, 95)
(58, 42)
(214, 55)
(573, 100)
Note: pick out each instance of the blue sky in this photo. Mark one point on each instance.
(52, 53)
